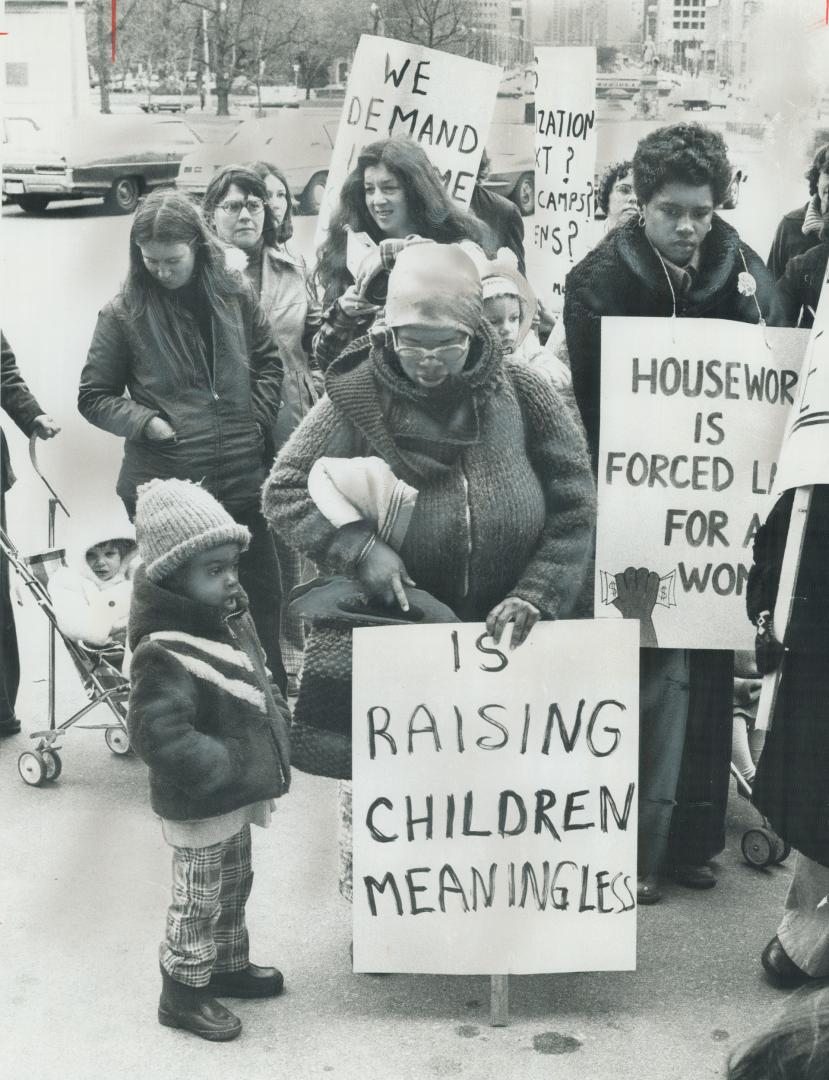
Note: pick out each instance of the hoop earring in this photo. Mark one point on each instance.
(641, 219)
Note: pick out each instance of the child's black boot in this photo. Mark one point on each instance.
(194, 1009)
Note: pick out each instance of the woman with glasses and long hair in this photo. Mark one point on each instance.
(250, 208)
(393, 193)
(183, 366)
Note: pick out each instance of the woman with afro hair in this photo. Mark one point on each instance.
(680, 259)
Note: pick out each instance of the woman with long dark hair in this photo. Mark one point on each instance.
(393, 193)
(250, 208)
(184, 368)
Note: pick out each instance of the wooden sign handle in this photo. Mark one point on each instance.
(785, 598)
(499, 1000)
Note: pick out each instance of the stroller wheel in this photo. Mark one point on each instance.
(54, 765)
(32, 768)
(758, 847)
(782, 850)
(117, 740)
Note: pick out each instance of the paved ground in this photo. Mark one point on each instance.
(85, 886)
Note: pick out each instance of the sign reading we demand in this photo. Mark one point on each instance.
(693, 413)
(442, 101)
(495, 799)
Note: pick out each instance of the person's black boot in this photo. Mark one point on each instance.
(252, 982)
(192, 1008)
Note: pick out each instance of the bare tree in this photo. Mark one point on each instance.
(100, 44)
(439, 24)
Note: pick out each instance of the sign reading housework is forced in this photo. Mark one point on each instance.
(495, 799)
(565, 162)
(692, 418)
(442, 101)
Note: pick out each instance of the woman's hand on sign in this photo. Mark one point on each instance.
(45, 427)
(521, 613)
(383, 575)
(355, 306)
(158, 430)
(370, 267)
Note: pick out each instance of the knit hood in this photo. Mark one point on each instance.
(720, 251)
(368, 385)
(155, 609)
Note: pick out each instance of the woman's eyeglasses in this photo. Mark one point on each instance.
(446, 354)
(234, 207)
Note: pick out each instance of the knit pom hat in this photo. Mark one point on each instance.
(177, 519)
(435, 285)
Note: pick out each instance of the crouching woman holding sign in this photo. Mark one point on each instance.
(505, 507)
(679, 259)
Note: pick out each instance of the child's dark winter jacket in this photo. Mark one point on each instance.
(506, 502)
(202, 713)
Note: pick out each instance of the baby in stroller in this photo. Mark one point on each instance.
(91, 594)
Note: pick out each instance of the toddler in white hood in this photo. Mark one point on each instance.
(91, 594)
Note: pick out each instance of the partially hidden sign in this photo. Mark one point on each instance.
(565, 163)
(804, 458)
(495, 799)
(442, 101)
(693, 413)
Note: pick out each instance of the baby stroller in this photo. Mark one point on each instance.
(761, 846)
(98, 667)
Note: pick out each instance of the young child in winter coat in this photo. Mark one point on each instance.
(510, 306)
(91, 594)
(205, 717)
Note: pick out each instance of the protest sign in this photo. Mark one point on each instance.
(804, 457)
(692, 416)
(444, 102)
(495, 799)
(565, 163)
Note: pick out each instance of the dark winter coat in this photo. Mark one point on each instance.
(506, 503)
(624, 276)
(791, 786)
(220, 419)
(503, 219)
(800, 286)
(202, 712)
(790, 240)
(18, 402)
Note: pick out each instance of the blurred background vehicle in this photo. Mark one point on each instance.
(118, 158)
(298, 141)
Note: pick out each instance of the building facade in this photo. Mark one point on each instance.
(45, 69)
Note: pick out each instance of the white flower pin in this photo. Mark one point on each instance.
(746, 285)
(236, 259)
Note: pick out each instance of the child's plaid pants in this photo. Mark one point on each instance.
(206, 929)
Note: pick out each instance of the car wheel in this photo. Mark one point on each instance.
(311, 199)
(523, 194)
(123, 196)
(32, 204)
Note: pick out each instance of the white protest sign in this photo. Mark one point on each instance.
(804, 457)
(444, 102)
(565, 163)
(692, 417)
(495, 799)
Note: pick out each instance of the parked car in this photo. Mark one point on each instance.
(19, 129)
(298, 141)
(116, 157)
(511, 149)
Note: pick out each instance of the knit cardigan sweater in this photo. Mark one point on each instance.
(506, 501)
(202, 713)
